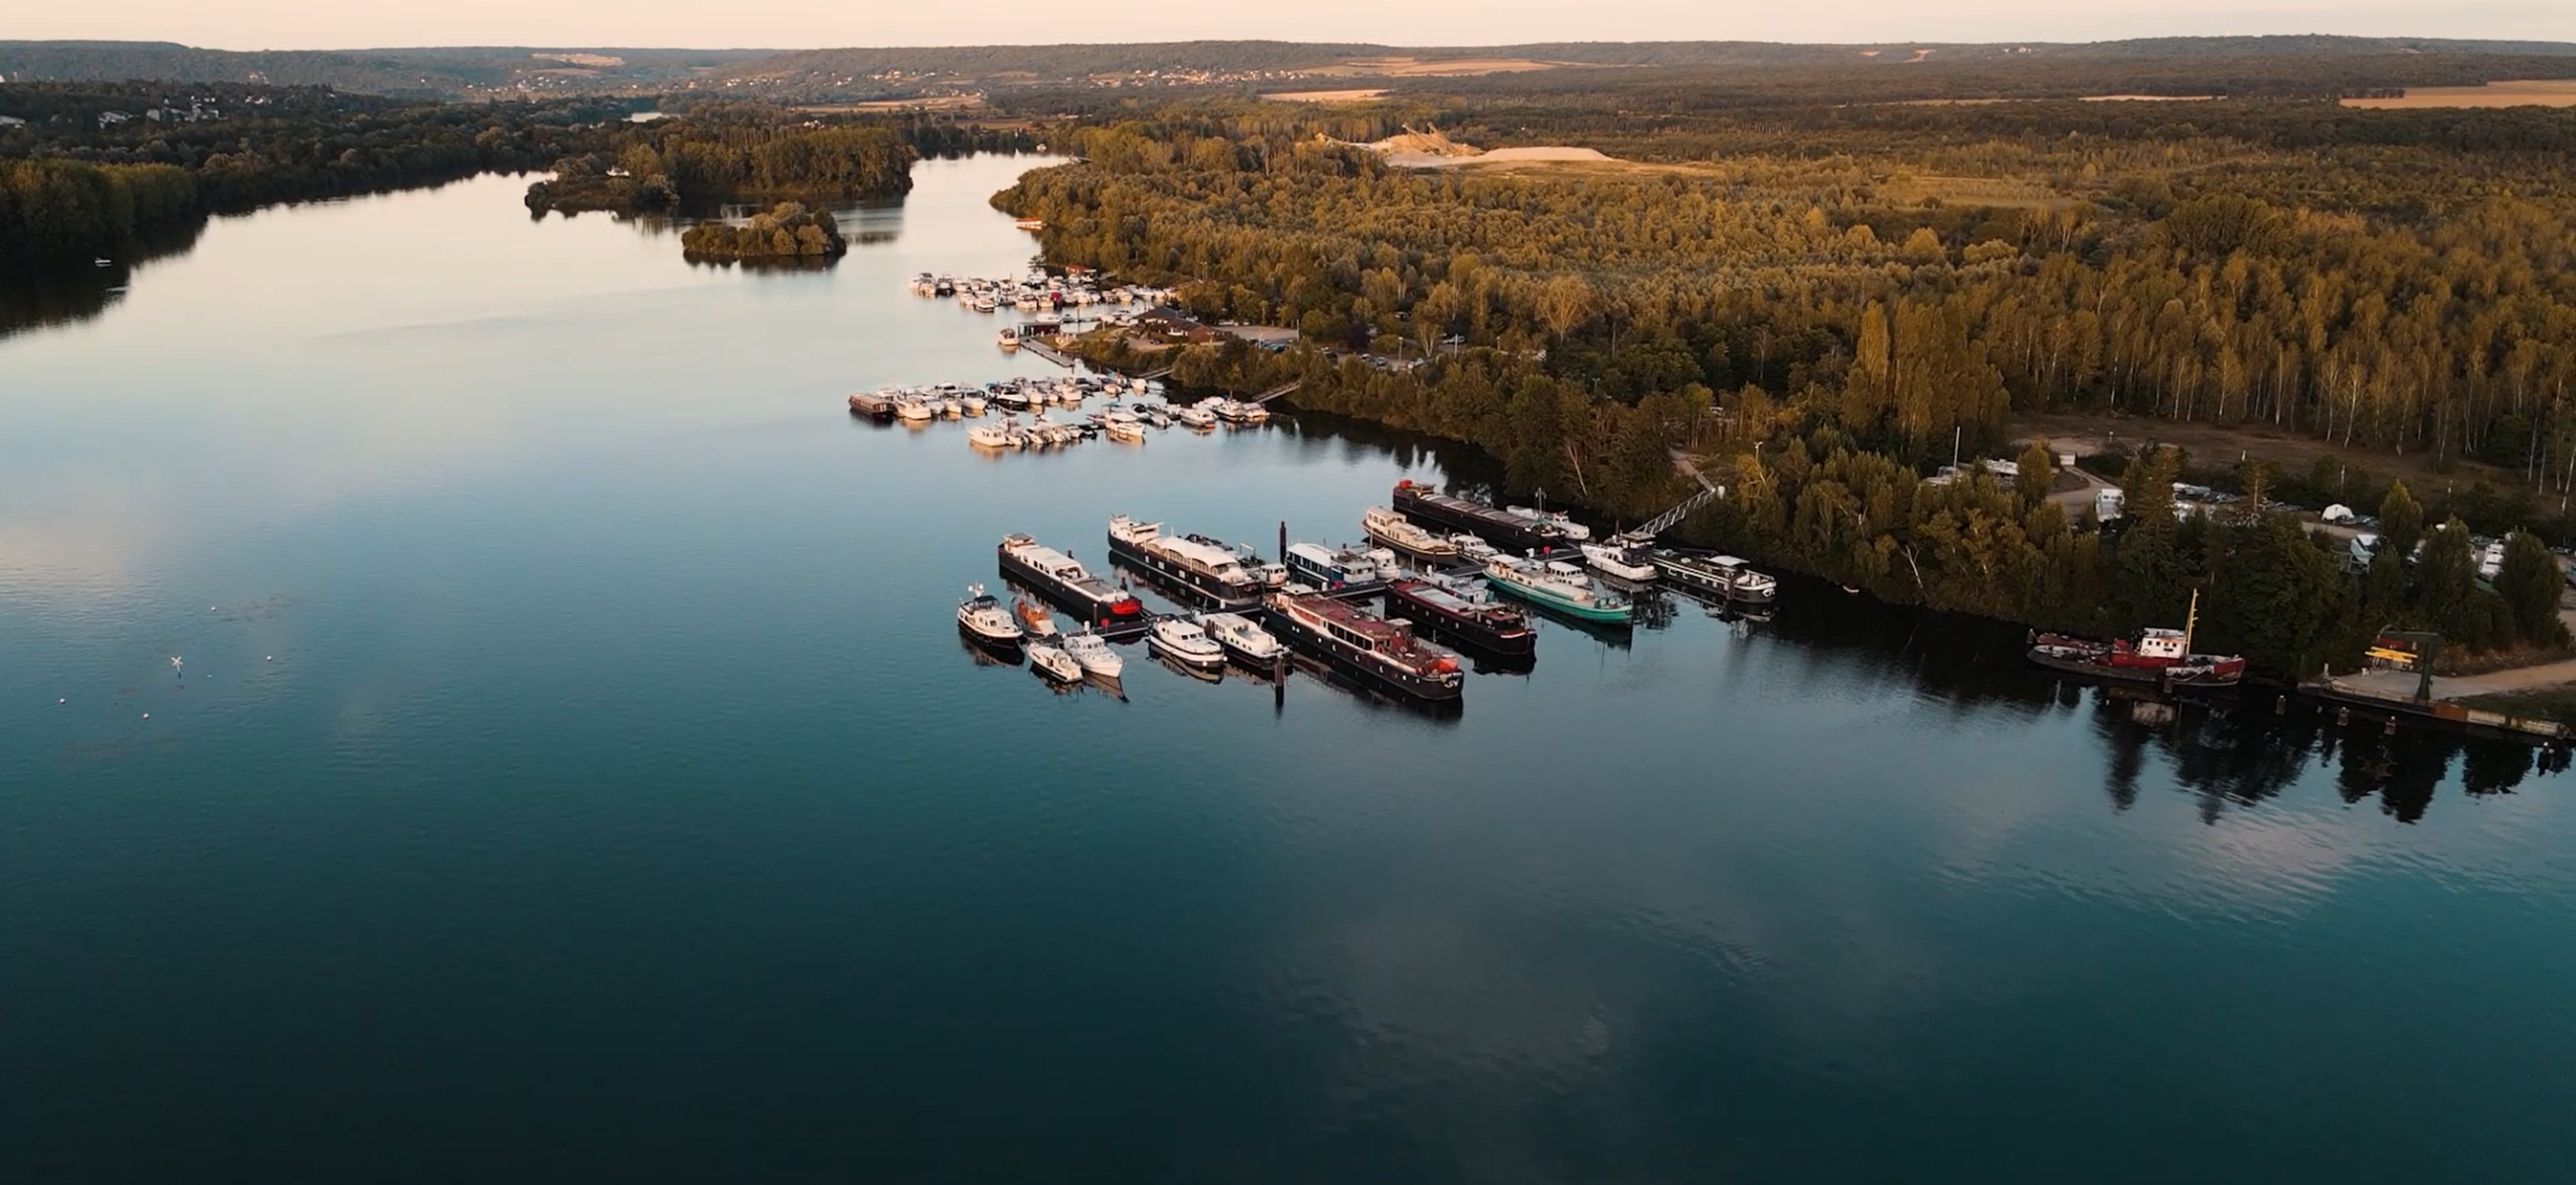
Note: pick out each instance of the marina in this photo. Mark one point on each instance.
(1680, 901)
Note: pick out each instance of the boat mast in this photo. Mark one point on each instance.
(2190, 621)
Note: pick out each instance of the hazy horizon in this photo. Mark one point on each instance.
(646, 24)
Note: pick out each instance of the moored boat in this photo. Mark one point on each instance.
(1331, 568)
(1062, 579)
(1098, 659)
(1400, 533)
(1555, 520)
(1034, 621)
(1501, 528)
(1203, 566)
(1054, 664)
(1384, 652)
(1003, 435)
(982, 618)
(1247, 642)
(1532, 581)
(1468, 614)
(1724, 575)
(2160, 656)
(1182, 641)
(1623, 558)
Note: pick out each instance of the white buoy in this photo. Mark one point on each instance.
(62, 701)
(147, 715)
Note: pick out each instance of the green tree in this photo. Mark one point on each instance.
(2401, 522)
(2530, 584)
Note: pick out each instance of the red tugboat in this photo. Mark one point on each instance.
(2159, 656)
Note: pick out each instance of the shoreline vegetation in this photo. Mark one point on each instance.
(1801, 277)
(118, 170)
(725, 153)
(787, 233)
(1821, 336)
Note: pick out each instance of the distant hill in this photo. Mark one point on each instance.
(446, 72)
(903, 72)
(2309, 60)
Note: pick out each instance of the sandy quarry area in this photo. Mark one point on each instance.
(1549, 154)
(1350, 96)
(925, 103)
(2545, 92)
(1405, 67)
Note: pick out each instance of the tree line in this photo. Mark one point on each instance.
(76, 182)
(1826, 327)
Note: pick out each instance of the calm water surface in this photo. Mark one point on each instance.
(576, 771)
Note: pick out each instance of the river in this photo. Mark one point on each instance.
(575, 770)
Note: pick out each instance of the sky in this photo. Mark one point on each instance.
(796, 24)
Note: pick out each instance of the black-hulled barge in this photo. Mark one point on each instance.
(1063, 580)
(1474, 619)
(1385, 653)
(1501, 528)
(1210, 571)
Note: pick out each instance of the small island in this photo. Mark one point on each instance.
(787, 233)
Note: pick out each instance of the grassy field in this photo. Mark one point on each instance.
(2544, 92)
(2292, 452)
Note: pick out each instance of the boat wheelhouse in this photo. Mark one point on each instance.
(1332, 569)
(1384, 652)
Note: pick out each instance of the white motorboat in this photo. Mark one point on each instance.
(916, 410)
(1009, 337)
(1125, 431)
(1098, 659)
(1054, 664)
(1474, 548)
(1004, 435)
(974, 405)
(1564, 526)
(1627, 561)
(951, 408)
(1242, 639)
(1195, 417)
(984, 619)
(1182, 641)
(1400, 533)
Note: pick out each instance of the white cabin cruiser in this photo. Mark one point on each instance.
(1242, 639)
(1180, 639)
(1054, 664)
(983, 618)
(1098, 659)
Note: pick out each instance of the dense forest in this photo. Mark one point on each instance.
(716, 152)
(454, 72)
(786, 233)
(725, 152)
(105, 170)
(1822, 304)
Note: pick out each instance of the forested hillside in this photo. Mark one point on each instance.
(1823, 303)
(75, 183)
(415, 73)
